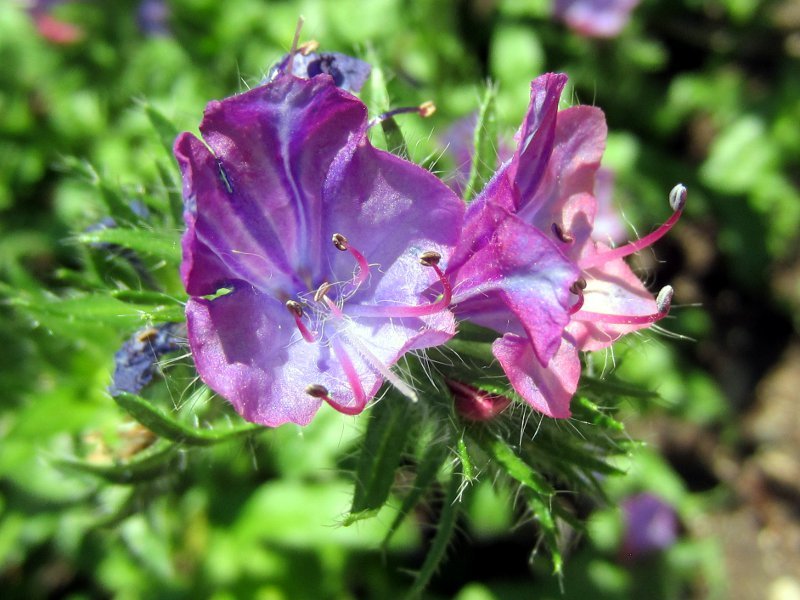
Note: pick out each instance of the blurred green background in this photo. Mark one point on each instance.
(705, 92)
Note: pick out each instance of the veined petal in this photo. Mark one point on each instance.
(517, 279)
(246, 348)
(392, 211)
(579, 143)
(547, 389)
(276, 144)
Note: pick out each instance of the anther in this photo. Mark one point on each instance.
(429, 258)
(563, 236)
(677, 200)
(321, 292)
(295, 308)
(426, 109)
(316, 390)
(297, 312)
(340, 242)
(677, 197)
(664, 299)
(308, 47)
(578, 286)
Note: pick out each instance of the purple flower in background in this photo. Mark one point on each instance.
(528, 267)
(328, 250)
(595, 18)
(348, 72)
(152, 17)
(650, 525)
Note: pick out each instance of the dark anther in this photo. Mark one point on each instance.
(564, 236)
(316, 390)
(294, 307)
(430, 258)
(340, 241)
(578, 286)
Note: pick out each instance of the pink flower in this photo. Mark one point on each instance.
(595, 18)
(540, 208)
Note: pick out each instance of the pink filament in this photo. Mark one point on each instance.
(304, 331)
(363, 265)
(628, 249)
(352, 378)
(583, 315)
(420, 310)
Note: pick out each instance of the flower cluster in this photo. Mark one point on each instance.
(315, 261)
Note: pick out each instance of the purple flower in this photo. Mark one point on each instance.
(528, 267)
(595, 18)
(650, 525)
(329, 248)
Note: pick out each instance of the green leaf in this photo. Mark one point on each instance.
(162, 245)
(167, 132)
(512, 464)
(444, 533)
(144, 467)
(163, 425)
(467, 469)
(432, 460)
(484, 151)
(384, 442)
(174, 197)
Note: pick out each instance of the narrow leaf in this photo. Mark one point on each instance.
(432, 461)
(512, 464)
(166, 130)
(384, 442)
(484, 157)
(165, 246)
(444, 532)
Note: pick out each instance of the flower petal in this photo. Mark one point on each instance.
(518, 279)
(547, 389)
(276, 145)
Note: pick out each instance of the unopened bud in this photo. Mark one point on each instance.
(476, 405)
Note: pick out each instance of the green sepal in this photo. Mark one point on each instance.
(385, 439)
(160, 423)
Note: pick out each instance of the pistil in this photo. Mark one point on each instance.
(677, 200)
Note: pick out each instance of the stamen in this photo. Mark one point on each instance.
(342, 244)
(376, 363)
(321, 291)
(316, 390)
(577, 289)
(352, 378)
(663, 303)
(297, 312)
(429, 259)
(677, 200)
(293, 51)
(563, 236)
(424, 110)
